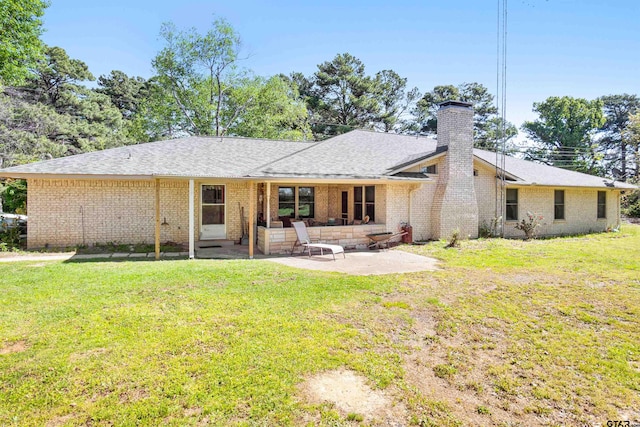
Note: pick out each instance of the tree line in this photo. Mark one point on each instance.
(200, 87)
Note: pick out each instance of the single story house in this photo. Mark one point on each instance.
(210, 188)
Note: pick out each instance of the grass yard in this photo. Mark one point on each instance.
(508, 333)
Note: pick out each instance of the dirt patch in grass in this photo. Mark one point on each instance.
(350, 394)
(94, 352)
(16, 347)
(59, 421)
(452, 369)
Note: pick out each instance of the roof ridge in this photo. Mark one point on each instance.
(311, 145)
(403, 135)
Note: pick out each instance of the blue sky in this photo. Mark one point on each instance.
(581, 48)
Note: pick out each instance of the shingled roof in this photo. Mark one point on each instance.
(184, 157)
(354, 155)
(532, 173)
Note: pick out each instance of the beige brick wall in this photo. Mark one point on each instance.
(382, 204)
(485, 185)
(73, 212)
(454, 204)
(580, 211)
(237, 195)
(397, 205)
(422, 200)
(281, 240)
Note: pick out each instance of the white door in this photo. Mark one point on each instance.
(212, 212)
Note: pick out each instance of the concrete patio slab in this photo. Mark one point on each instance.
(90, 256)
(120, 255)
(171, 254)
(138, 255)
(363, 263)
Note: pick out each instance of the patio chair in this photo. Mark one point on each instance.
(305, 242)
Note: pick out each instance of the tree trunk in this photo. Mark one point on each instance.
(623, 158)
(218, 106)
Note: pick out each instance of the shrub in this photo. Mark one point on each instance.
(529, 225)
(489, 230)
(14, 195)
(9, 238)
(454, 242)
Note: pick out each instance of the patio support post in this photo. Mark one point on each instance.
(268, 217)
(252, 202)
(157, 202)
(191, 220)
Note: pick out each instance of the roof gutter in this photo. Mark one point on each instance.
(561, 186)
(416, 162)
(32, 175)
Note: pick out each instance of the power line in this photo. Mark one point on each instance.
(501, 107)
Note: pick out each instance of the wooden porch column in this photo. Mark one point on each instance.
(252, 214)
(157, 201)
(268, 216)
(192, 252)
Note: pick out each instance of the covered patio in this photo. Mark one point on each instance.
(337, 212)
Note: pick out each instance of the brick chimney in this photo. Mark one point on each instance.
(454, 204)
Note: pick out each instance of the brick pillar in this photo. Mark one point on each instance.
(454, 204)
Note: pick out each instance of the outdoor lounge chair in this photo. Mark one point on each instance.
(305, 241)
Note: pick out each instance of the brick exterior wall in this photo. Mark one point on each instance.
(485, 185)
(281, 240)
(581, 207)
(454, 204)
(422, 202)
(74, 212)
(397, 205)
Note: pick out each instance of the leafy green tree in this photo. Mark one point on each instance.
(56, 78)
(20, 45)
(54, 115)
(340, 97)
(346, 96)
(158, 115)
(13, 196)
(126, 93)
(202, 91)
(273, 109)
(394, 100)
(30, 131)
(484, 119)
(199, 71)
(493, 135)
(141, 102)
(618, 109)
(564, 133)
(631, 134)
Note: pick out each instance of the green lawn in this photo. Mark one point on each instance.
(508, 333)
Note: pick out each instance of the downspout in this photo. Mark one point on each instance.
(191, 219)
(413, 190)
(157, 227)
